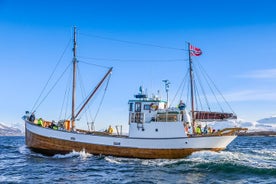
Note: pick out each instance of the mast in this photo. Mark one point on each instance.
(192, 88)
(74, 81)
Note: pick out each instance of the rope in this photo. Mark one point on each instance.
(97, 112)
(100, 101)
(201, 87)
(33, 109)
(207, 79)
(101, 66)
(180, 86)
(79, 106)
(132, 42)
(47, 94)
(83, 92)
(229, 106)
(130, 60)
(66, 94)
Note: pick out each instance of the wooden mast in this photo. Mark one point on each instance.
(192, 88)
(74, 82)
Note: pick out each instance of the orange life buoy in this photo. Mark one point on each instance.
(153, 107)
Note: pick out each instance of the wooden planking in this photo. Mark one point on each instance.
(51, 146)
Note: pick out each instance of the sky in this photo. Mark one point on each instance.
(238, 40)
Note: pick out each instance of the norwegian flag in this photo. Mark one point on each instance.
(194, 51)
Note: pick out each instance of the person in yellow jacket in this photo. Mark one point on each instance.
(198, 130)
(110, 129)
(40, 122)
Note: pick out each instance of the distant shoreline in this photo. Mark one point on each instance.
(257, 133)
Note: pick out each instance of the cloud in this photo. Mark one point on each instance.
(251, 95)
(260, 74)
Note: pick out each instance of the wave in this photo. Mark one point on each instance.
(24, 150)
(121, 160)
(266, 152)
(28, 152)
(245, 159)
(80, 154)
(226, 161)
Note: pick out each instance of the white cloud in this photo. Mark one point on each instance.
(260, 74)
(251, 95)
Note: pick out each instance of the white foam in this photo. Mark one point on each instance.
(112, 160)
(161, 162)
(82, 154)
(245, 159)
(24, 150)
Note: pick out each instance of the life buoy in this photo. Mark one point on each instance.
(153, 107)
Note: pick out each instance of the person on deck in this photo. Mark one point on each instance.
(32, 117)
(210, 130)
(181, 105)
(205, 130)
(110, 129)
(40, 122)
(198, 130)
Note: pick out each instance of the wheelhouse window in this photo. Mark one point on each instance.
(137, 107)
(131, 107)
(146, 107)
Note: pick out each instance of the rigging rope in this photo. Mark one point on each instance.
(52, 87)
(210, 87)
(130, 60)
(217, 89)
(97, 112)
(132, 42)
(101, 66)
(180, 86)
(197, 97)
(202, 88)
(35, 104)
(83, 92)
(65, 98)
(81, 104)
(100, 101)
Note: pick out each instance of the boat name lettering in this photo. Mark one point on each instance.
(72, 138)
(116, 143)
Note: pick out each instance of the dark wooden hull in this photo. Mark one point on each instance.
(51, 146)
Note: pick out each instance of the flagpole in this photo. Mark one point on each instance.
(192, 87)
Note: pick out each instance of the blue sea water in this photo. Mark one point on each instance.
(246, 160)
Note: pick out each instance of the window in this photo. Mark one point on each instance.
(137, 107)
(130, 106)
(146, 107)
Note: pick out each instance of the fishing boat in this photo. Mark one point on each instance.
(156, 130)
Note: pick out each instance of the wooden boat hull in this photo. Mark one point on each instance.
(50, 142)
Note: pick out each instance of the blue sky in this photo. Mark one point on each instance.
(238, 40)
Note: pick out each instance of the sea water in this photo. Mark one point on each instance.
(246, 160)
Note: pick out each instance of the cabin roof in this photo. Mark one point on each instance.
(147, 100)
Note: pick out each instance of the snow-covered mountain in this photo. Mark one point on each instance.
(13, 130)
(266, 124)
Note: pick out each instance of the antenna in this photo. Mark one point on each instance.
(167, 86)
